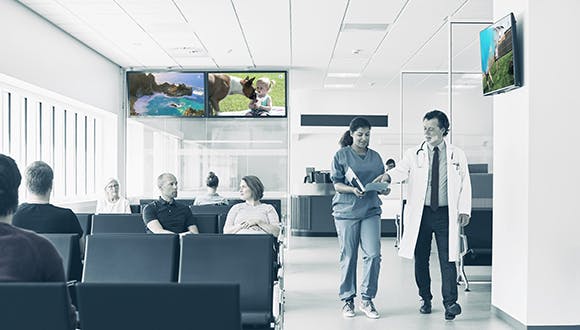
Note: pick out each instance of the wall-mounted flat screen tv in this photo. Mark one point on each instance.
(499, 56)
(173, 93)
(247, 94)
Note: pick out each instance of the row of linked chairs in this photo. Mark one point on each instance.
(128, 279)
(228, 282)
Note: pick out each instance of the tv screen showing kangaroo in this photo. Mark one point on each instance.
(247, 94)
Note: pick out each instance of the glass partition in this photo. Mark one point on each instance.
(231, 148)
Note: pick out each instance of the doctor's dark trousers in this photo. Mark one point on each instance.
(365, 233)
(435, 222)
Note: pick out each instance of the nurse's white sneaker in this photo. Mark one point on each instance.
(367, 307)
(348, 308)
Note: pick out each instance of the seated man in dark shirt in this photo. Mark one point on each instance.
(38, 214)
(166, 216)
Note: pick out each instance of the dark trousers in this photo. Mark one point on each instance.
(435, 222)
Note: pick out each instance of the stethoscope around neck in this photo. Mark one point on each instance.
(422, 157)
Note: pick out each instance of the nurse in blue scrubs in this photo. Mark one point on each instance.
(357, 216)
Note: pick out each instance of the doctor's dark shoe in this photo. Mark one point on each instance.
(452, 310)
(348, 308)
(425, 307)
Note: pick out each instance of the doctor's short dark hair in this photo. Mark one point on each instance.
(355, 123)
(441, 118)
(9, 182)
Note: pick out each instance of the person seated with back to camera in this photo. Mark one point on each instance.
(166, 215)
(212, 197)
(26, 256)
(37, 214)
(252, 216)
(112, 201)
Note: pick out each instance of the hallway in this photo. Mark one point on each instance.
(312, 301)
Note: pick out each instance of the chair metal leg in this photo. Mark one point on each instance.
(398, 226)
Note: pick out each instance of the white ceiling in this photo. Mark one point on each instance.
(332, 43)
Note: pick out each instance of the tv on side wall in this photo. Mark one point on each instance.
(500, 56)
(260, 94)
(173, 93)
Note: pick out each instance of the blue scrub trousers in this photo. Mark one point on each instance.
(352, 233)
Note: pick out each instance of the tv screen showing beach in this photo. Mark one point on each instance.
(247, 94)
(177, 94)
(497, 57)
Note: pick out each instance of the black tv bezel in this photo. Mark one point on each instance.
(207, 105)
(516, 58)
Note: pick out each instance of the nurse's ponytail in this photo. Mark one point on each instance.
(355, 123)
(345, 139)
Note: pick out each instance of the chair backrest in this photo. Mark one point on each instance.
(85, 220)
(155, 306)
(207, 223)
(243, 259)
(122, 258)
(209, 217)
(135, 208)
(479, 234)
(69, 249)
(34, 306)
(117, 223)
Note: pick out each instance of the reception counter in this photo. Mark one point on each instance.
(311, 211)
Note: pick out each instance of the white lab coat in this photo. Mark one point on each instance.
(414, 167)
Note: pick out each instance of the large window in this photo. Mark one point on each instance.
(38, 124)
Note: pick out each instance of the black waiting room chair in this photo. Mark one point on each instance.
(124, 258)
(35, 306)
(69, 249)
(239, 259)
(156, 306)
(117, 223)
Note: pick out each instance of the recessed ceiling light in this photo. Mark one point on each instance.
(364, 27)
(343, 75)
(338, 85)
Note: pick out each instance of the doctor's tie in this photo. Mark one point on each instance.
(435, 180)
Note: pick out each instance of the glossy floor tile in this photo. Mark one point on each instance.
(312, 292)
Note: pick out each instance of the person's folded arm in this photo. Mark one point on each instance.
(192, 230)
(156, 227)
(230, 227)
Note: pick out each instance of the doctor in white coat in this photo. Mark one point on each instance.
(439, 202)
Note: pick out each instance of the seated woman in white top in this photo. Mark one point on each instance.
(252, 217)
(113, 202)
(212, 197)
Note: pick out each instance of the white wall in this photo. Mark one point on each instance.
(315, 146)
(510, 189)
(554, 226)
(39, 53)
(535, 235)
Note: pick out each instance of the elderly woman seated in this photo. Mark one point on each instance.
(251, 216)
(112, 201)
